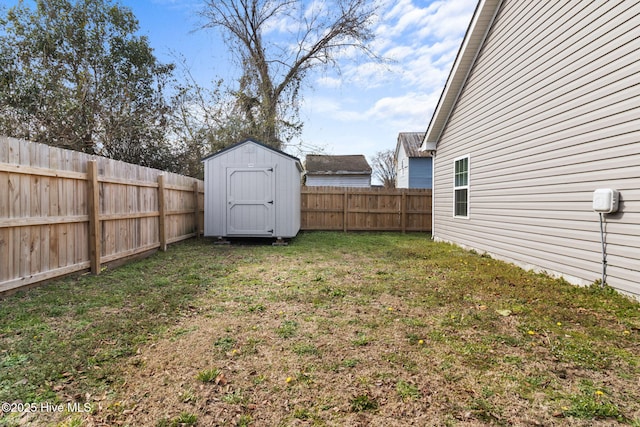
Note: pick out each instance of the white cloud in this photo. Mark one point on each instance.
(324, 105)
(411, 108)
(283, 24)
(329, 82)
(398, 53)
(314, 8)
(362, 109)
(420, 41)
(451, 19)
(404, 15)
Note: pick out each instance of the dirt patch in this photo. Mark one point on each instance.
(371, 338)
(312, 373)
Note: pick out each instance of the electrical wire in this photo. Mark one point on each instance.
(604, 253)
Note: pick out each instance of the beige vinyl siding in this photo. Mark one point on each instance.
(549, 113)
(480, 20)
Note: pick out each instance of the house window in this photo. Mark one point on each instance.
(461, 187)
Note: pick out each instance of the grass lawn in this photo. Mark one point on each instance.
(374, 329)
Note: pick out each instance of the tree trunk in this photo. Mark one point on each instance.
(269, 122)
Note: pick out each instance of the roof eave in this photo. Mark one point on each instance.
(483, 18)
(251, 140)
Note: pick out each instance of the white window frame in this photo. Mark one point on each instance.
(462, 187)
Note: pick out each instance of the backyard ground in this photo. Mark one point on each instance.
(336, 329)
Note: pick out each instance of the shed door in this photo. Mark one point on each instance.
(250, 203)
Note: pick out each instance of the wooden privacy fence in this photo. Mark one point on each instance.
(371, 209)
(63, 211)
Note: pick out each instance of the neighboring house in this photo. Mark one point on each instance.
(414, 168)
(337, 171)
(541, 108)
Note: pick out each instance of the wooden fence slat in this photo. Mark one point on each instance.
(63, 211)
(134, 215)
(162, 229)
(128, 182)
(41, 171)
(196, 210)
(345, 207)
(94, 217)
(350, 209)
(13, 284)
(24, 209)
(404, 211)
(45, 220)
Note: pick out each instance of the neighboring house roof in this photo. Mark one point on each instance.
(253, 141)
(316, 164)
(410, 142)
(483, 17)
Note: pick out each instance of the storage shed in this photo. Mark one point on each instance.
(251, 190)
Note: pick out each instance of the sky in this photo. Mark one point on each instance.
(362, 109)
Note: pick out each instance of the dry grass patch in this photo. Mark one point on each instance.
(379, 330)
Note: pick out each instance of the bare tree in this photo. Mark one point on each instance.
(384, 167)
(277, 43)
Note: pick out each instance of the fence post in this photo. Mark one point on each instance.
(196, 210)
(95, 237)
(162, 217)
(403, 211)
(345, 207)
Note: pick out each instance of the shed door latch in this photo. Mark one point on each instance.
(271, 202)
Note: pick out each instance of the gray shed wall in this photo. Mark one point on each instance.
(247, 155)
(549, 113)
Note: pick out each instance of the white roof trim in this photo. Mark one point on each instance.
(481, 22)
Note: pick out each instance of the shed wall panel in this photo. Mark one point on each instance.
(548, 114)
(252, 155)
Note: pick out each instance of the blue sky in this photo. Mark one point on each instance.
(360, 111)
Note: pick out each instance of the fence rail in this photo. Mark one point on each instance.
(371, 209)
(62, 211)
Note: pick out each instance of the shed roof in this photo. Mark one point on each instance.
(477, 31)
(253, 141)
(333, 165)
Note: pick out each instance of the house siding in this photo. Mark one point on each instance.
(413, 172)
(359, 181)
(550, 112)
(402, 168)
(420, 172)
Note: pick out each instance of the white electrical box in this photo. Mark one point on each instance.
(605, 200)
